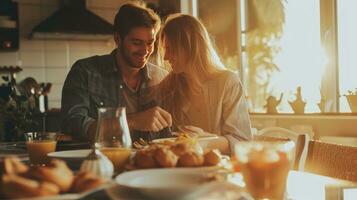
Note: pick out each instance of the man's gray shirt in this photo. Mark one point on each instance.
(96, 82)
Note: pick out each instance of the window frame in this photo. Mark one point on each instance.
(329, 40)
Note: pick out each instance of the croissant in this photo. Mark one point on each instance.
(55, 172)
(14, 186)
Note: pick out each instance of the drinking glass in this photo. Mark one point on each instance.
(265, 167)
(39, 144)
(113, 136)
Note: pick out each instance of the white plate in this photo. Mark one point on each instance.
(194, 131)
(203, 142)
(56, 197)
(70, 196)
(163, 183)
(172, 139)
(72, 154)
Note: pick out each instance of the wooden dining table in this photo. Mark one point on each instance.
(300, 185)
(306, 186)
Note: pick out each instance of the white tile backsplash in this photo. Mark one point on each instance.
(56, 75)
(55, 45)
(50, 60)
(32, 58)
(56, 59)
(101, 48)
(56, 92)
(79, 45)
(76, 55)
(54, 104)
(36, 73)
(9, 59)
(32, 45)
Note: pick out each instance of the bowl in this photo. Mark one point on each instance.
(159, 184)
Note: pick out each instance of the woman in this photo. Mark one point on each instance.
(199, 91)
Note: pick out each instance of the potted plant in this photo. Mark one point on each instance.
(264, 30)
(17, 111)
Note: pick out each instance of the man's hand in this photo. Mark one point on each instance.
(153, 119)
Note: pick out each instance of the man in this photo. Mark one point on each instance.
(122, 78)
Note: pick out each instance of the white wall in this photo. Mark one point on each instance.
(50, 60)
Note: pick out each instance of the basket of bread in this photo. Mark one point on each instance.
(183, 151)
(20, 181)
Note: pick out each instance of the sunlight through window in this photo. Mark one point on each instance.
(301, 60)
(347, 48)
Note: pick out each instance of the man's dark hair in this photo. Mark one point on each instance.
(134, 14)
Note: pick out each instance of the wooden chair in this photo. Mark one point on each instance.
(334, 160)
(301, 143)
(343, 140)
(270, 139)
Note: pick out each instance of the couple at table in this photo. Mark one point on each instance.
(197, 90)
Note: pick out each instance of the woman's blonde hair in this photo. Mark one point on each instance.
(189, 42)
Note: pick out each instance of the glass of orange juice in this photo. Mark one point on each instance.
(113, 136)
(39, 144)
(265, 167)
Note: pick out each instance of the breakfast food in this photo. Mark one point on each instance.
(182, 151)
(165, 157)
(85, 181)
(19, 181)
(145, 159)
(12, 165)
(181, 148)
(212, 157)
(190, 159)
(55, 172)
(14, 186)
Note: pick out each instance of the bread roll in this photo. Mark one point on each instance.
(190, 159)
(212, 157)
(85, 181)
(12, 165)
(14, 186)
(181, 148)
(165, 157)
(55, 172)
(145, 159)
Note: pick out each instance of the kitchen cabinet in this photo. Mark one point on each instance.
(9, 29)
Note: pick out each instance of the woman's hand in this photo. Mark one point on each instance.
(153, 119)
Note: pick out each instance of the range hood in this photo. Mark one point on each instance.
(72, 21)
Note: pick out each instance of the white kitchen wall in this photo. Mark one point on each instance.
(50, 60)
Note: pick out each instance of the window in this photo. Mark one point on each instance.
(289, 48)
(286, 58)
(221, 21)
(347, 48)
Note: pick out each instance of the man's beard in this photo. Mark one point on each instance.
(126, 56)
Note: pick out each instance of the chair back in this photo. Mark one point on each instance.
(343, 140)
(334, 160)
(271, 139)
(301, 143)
